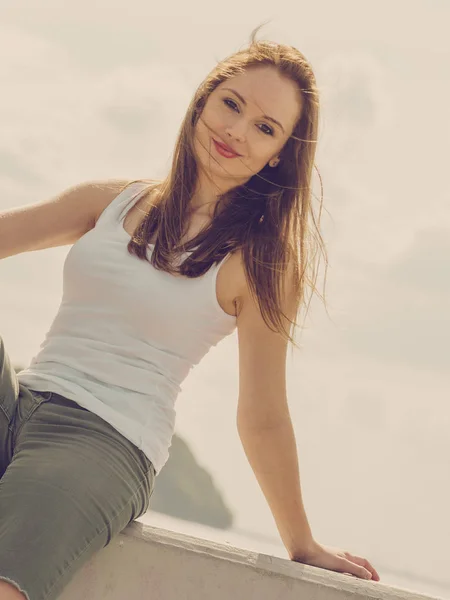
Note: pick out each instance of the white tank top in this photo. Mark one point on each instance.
(126, 335)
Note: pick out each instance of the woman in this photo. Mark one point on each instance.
(158, 273)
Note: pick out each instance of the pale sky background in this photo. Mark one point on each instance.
(98, 89)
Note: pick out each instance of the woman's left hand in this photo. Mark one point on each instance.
(336, 559)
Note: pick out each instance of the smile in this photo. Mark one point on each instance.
(223, 151)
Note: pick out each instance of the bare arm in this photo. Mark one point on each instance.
(59, 221)
(272, 454)
(264, 424)
(267, 435)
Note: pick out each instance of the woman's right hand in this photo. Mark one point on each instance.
(336, 559)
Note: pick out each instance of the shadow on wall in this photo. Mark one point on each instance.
(187, 491)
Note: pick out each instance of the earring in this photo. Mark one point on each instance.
(274, 162)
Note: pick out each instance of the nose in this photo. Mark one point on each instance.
(237, 131)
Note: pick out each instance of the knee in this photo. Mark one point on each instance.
(9, 591)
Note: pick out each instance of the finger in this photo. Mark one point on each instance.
(375, 576)
(359, 571)
(364, 563)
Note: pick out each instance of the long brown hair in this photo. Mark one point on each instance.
(268, 218)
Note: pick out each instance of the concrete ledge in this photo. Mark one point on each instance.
(152, 563)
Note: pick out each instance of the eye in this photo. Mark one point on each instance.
(268, 131)
(232, 104)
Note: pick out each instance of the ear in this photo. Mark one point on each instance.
(274, 162)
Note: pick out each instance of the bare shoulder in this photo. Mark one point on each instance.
(234, 293)
(247, 302)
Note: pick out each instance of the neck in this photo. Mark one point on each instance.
(206, 194)
(204, 198)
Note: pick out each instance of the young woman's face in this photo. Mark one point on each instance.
(241, 113)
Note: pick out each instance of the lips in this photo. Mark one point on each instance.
(225, 147)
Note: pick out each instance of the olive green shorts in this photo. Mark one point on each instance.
(69, 483)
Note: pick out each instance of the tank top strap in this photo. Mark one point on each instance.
(127, 197)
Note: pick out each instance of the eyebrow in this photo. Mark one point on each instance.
(245, 104)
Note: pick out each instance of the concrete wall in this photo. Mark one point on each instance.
(145, 562)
